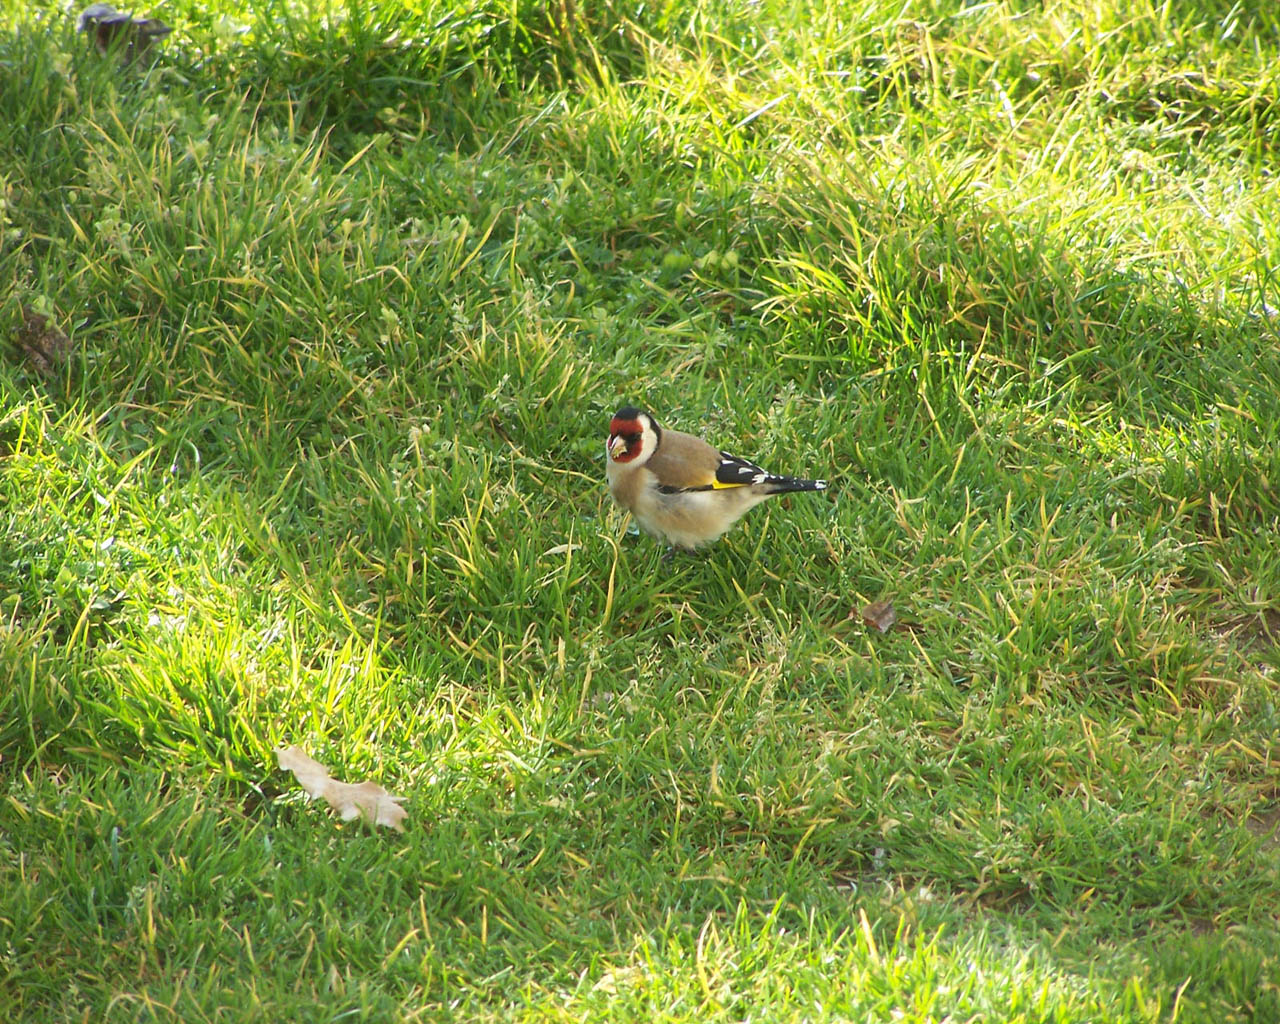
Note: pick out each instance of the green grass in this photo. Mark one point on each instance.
(352, 292)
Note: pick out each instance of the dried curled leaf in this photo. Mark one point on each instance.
(365, 800)
(106, 26)
(41, 343)
(880, 615)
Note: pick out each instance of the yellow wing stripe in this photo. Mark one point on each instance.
(717, 485)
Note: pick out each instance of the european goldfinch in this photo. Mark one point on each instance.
(678, 487)
(107, 24)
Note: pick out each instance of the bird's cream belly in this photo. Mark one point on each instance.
(691, 519)
(687, 520)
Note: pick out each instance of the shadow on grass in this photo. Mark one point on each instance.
(375, 67)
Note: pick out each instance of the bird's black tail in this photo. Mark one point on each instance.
(787, 484)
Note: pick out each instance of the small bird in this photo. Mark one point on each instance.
(107, 25)
(679, 488)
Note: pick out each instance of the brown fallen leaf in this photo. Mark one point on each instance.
(365, 800)
(41, 343)
(880, 615)
(106, 25)
(561, 549)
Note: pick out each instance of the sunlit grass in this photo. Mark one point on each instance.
(352, 294)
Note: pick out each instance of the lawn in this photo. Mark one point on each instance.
(310, 334)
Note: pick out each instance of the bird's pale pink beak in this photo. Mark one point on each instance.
(617, 445)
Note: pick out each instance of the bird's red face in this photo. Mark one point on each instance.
(627, 434)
